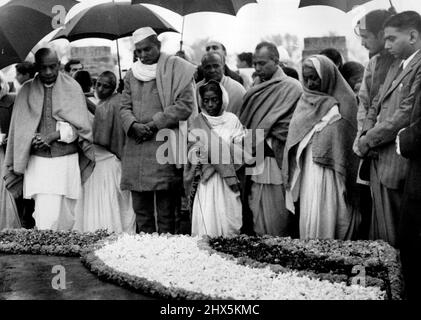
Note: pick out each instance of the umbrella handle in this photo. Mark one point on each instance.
(118, 59)
(182, 33)
(392, 6)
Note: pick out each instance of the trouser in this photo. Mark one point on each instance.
(366, 207)
(26, 209)
(386, 209)
(54, 212)
(410, 246)
(164, 203)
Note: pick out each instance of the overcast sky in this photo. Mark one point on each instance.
(255, 21)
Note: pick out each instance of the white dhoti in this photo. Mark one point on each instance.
(55, 185)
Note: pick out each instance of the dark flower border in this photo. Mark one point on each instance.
(331, 260)
(48, 242)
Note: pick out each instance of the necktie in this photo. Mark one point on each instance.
(398, 73)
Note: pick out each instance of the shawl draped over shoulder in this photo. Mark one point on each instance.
(172, 77)
(107, 128)
(225, 165)
(69, 105)
(332, 147)
(269, 106)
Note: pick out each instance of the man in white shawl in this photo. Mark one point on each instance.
(213, 69)
(210, 176)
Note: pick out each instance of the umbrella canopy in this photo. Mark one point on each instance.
(185, 7)
(112, 21)
(23, 23)
(344, 5)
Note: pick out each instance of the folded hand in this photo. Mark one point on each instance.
(141, 132)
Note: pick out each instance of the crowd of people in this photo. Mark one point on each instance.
(337, 158)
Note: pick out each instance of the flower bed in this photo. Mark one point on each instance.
(183, 267)
(332, 260)
(47, 242)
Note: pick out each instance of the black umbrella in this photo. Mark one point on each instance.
(23, 23)
(112, 21)
(344, 5)
(185, 7)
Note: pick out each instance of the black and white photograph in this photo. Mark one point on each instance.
(208, 158)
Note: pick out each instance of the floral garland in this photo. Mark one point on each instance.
(47, 242)
(178, 267)
(330, 260)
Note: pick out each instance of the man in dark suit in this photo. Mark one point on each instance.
(409, 146)
(384, 120)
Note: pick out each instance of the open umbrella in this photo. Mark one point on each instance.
(23, 23)
(112, 21)
(344, 5)
(185, 7)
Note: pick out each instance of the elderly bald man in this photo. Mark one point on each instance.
(213, 69)
(50, 143)
(215, 46)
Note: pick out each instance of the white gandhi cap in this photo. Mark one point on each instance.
(142, 33)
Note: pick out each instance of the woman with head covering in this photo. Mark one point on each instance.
(319, 166)
(103, 205)
(9, 217)
(211, 182)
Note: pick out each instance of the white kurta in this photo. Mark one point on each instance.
(324, 211)
(217, 210)
(54, 184)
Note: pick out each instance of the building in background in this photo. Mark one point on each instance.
(95, 59)
(314, 45)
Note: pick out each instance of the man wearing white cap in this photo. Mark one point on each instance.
(159, 92)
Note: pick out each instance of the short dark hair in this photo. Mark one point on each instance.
(110, 75)
(334, 55)
(352, 69)
(26, 67)
(374, 20)
(404, 21)
(84, 79)
(272, 49)
(67, 66)
(247, 57)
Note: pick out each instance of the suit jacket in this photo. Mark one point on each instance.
(388, 115)
(410, 147)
